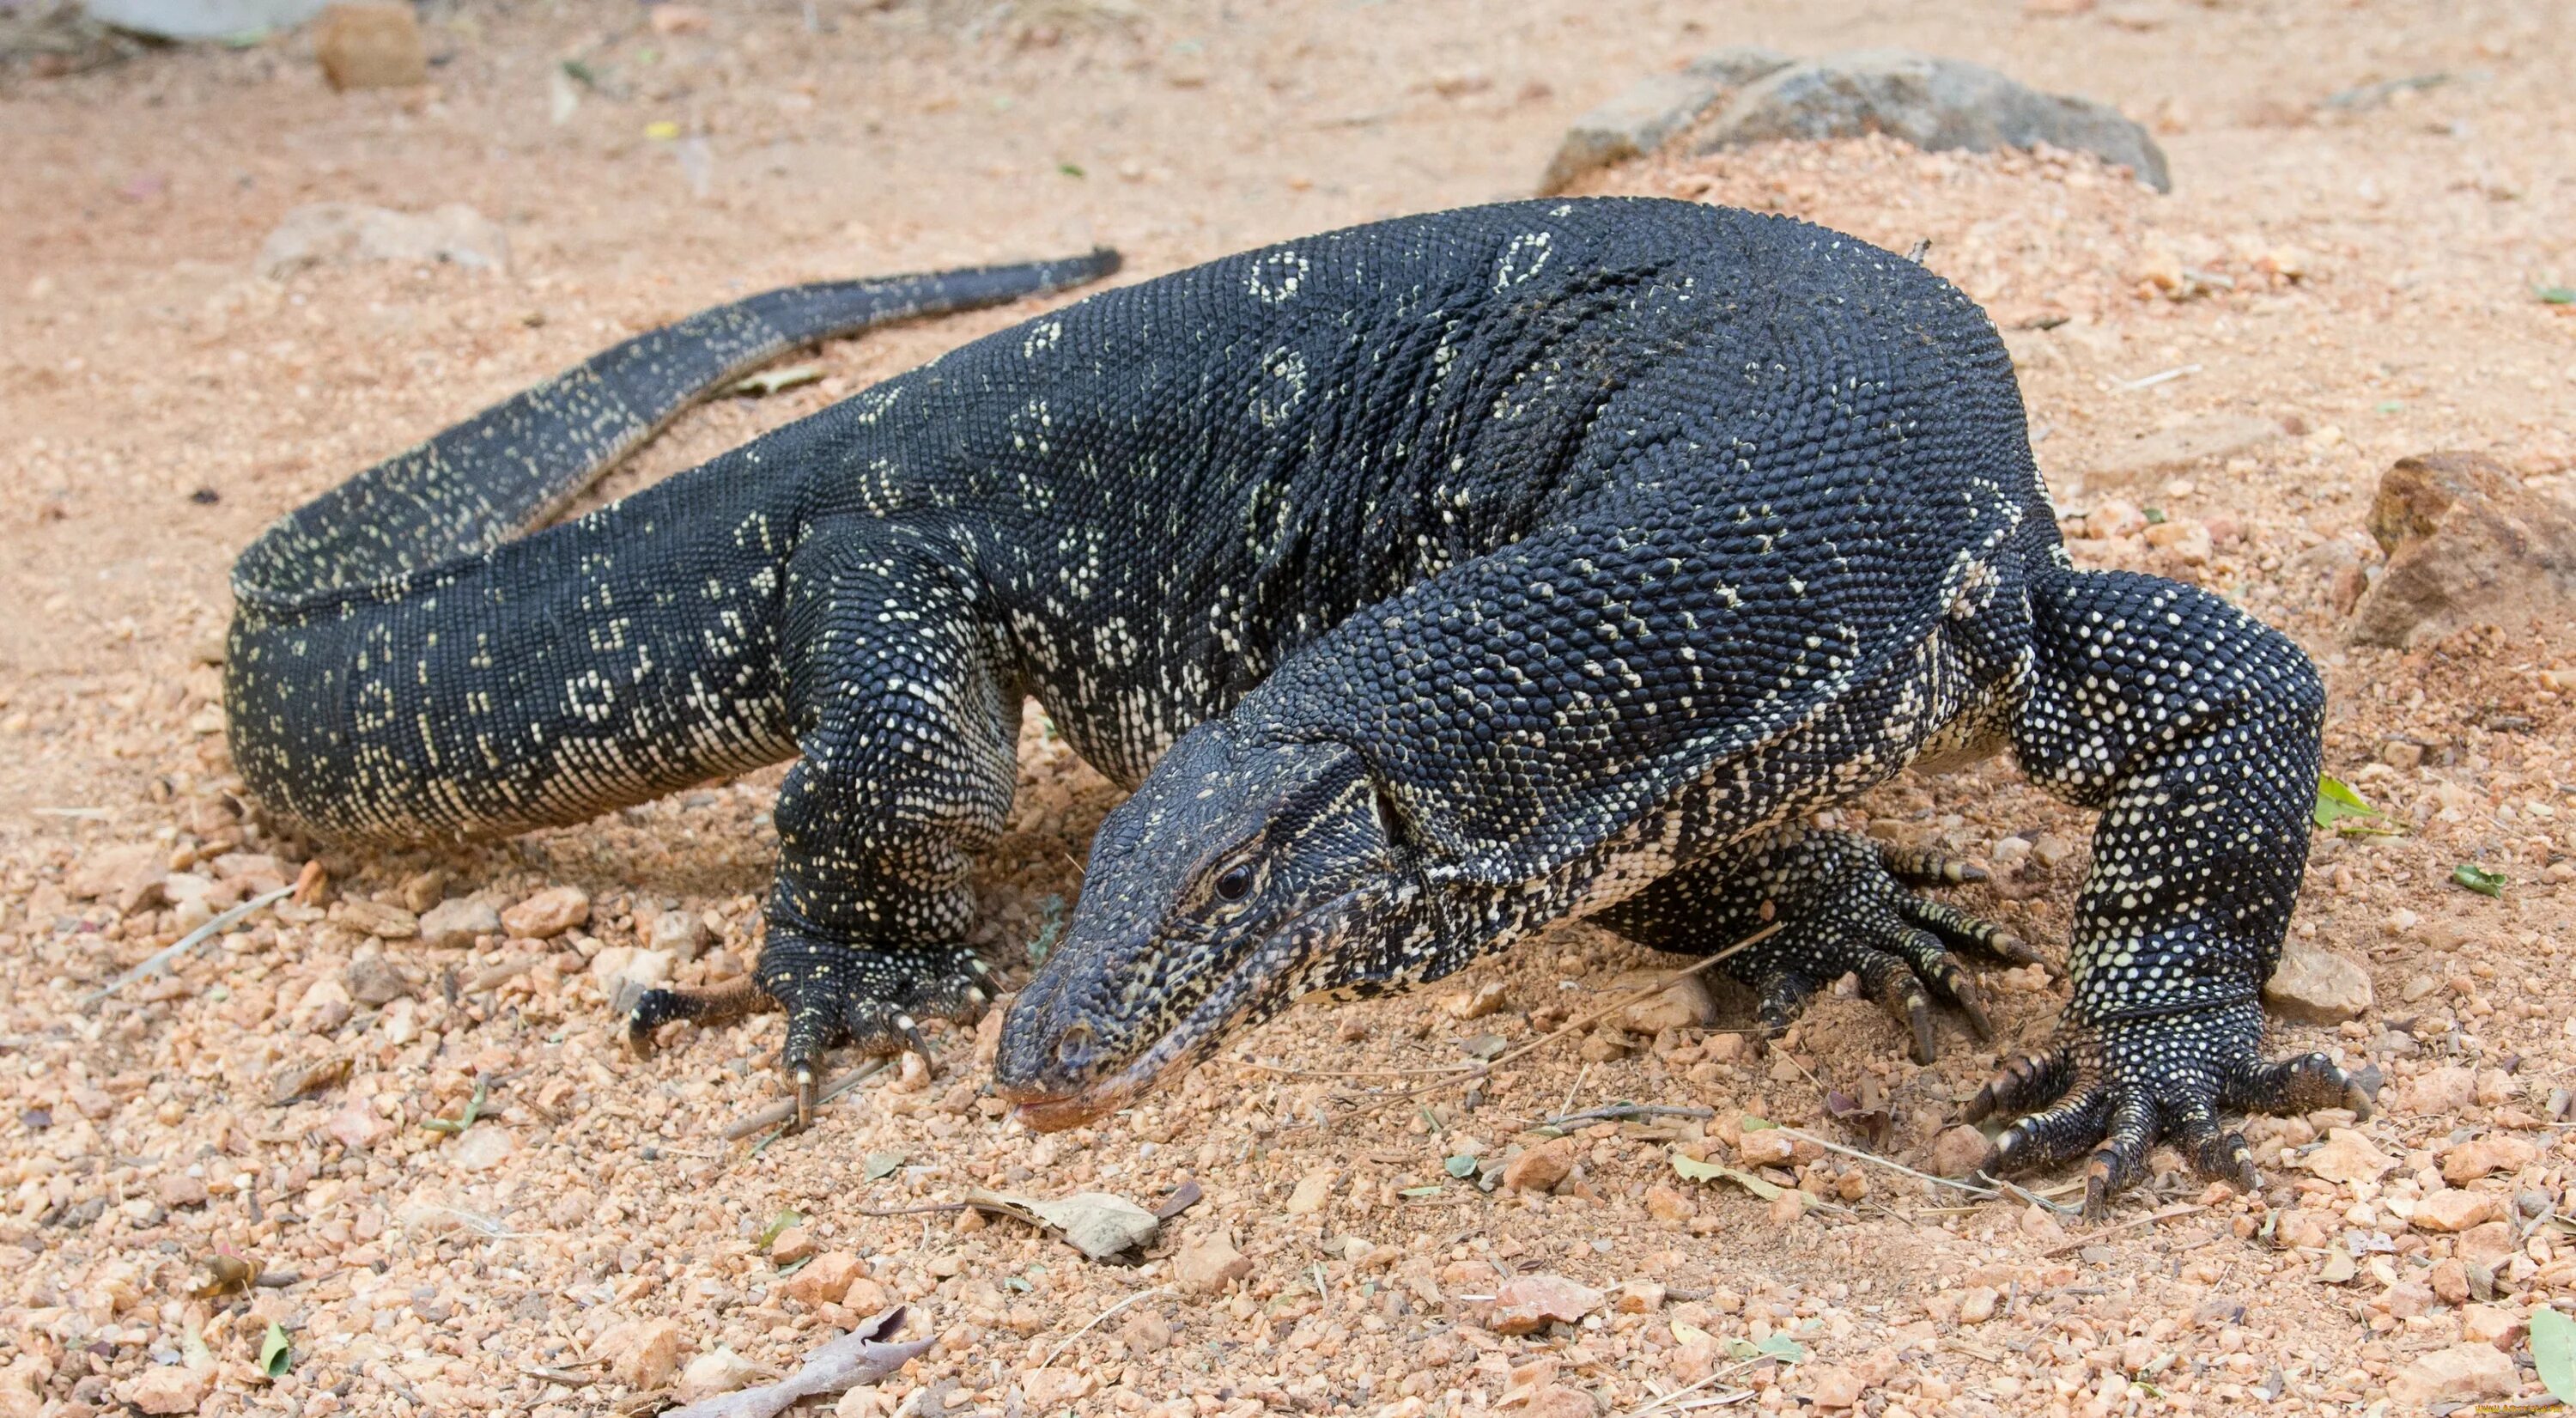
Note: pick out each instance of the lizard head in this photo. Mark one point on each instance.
(1239, 877)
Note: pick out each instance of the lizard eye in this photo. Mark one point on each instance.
(1236, 884)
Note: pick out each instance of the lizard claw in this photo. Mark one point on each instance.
(2115, 1090)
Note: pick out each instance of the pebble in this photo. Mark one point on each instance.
(719, 1370)
(549, 913)
(484, 1147)
(170, 1388)
(357, 1125)
(791, 1245)
(1832, 1386)
(1541, 1168)
(2316, 986)
(1683, 1004)
(681, 933)
(454, 925)
(2496, 1152)
(2461, 1372)
(1978, 1305)
(1665, 1204)
(372, 979)
(2450, 1088)
(641, 1354)
(1209, 1263)
(2346, 1156)
(1312, 1191)
(823, 1280)
(1055, 1388)
(1528, 1303)
(1483, 1000)
(2452, 1209)
(370, 45)
(1959, 1150)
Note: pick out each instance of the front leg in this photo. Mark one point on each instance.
(2195, 730)
(907, 739)
(1846, 907)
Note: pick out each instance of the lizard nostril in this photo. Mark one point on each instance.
(1073, 1047)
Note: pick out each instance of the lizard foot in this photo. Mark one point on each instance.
(833, 994)
(2118, 1089)
(1849, 908)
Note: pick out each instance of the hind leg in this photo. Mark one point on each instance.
(1845, 906)
(907, 737)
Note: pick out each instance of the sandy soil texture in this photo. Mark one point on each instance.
(2343, 275)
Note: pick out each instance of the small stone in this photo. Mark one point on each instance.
(1978, 1305)
(1766, 1147)
(2452, 1209)
(170, 1388)
(2448, 1089)
(1146, 1332)
(644, 970)
(2149, 458)
(357, 1126)
(370, 46)
(372, 979)
(868, 1297)
(549, 913)
(421, 890)
(2449, 1281)
(1683, 1004)
(1640, 1297)
(718, 1371)
(179, 1189)
(1558, 1401)
(1528, 1303)
(2486, 1246)
(823, 1280)
(1210, 1263)
(2316, 986)
(681, 933)
(1483, 1000)
(454, 925)
(1541, 1168)
(2186, 539)
(641, 1354)
(2347, 1156)
(1312, 1191)
(2461, 1372)
(2115, 518)
(1959, 1151)
(1831, 1385)
(1052, 1389)
(2499, 1325)
(1665, 1204)
(484, 1147)
(678, 19)
(791, 1245)
(2339, 1267)
(2496, 1152)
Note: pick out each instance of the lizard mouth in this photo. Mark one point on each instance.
(1251, 989)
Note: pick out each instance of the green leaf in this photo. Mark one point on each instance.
(1694, 1170)
(1419, 1191)
(580, 73)
(473, 1110)
(2155, 516)
(1781, 1347)
(1069, 169)
(2342, 809)
(770, 381)
(1461, 1165)
(881, 1165)
(2478, 879)
(777, 1227)
(2390, 406)
(2553, 1353)
(276, 1355)
(2556, 295)
(1750, 1123)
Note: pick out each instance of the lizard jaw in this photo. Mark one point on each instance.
(1250, 992)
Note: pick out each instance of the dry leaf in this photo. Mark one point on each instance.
(862, 1356)
(1095, 1223)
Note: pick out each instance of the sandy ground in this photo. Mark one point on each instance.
(2339, 285)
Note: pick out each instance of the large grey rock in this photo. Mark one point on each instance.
(338, 233)
(1652, 111)
(2467, 545)
(1932, 103)
(202, 19)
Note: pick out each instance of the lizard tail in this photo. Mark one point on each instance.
(511, 467)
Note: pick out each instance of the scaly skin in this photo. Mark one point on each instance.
(1475, 569)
